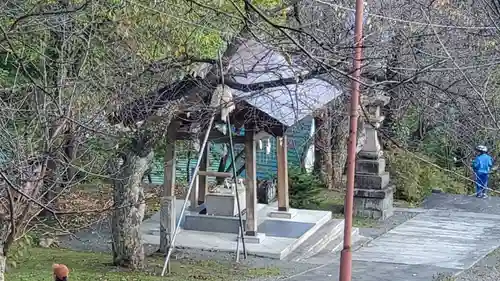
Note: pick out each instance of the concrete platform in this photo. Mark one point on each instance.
(282, 235)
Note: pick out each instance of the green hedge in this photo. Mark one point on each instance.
(414, 176)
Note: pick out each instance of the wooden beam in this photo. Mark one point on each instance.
(213, 139)
(167, 202)
(215, 174)
(251, 183)
(282, 163)
(225, 139)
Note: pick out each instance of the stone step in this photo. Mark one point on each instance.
(331, 252)
(329, 232)
(337, 244)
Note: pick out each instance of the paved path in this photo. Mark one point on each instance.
(370, 271)
(466, 203)
(446, 240)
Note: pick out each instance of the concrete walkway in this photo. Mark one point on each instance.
(436, 241)
(447, 239)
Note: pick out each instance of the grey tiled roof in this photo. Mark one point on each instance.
(289, 103)
(252, 63)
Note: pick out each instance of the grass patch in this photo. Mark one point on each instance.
(331, 200)
(405, 204)
(359, 221)
(36, 265)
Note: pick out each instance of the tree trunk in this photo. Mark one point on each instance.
(322, 148)
(4, 233)
(3, 260)
(52, 181)
(340, 137)
(130, 206)
(51, 186)
(340, 121)
(69, 157)
(394, 61)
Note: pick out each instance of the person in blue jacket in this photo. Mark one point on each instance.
(482, 165)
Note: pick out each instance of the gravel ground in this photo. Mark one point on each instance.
(98, 239)
(488, 269)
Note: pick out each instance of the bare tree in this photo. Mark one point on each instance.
(51, 114)
(73, 70)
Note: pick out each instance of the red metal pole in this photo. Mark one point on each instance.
(346, 254)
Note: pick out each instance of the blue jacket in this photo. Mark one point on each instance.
(482, 164)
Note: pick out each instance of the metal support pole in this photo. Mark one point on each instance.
(241, 232)
(346, 254)
(191, 184)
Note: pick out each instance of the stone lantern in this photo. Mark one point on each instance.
(373, 194)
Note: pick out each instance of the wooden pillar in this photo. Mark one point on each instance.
(194, 197)
(282, 159)
(200, 187)
(169, 164)
(167, 202)
(251, 183)
(203, 180)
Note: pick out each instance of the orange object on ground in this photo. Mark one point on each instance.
(61, 272)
